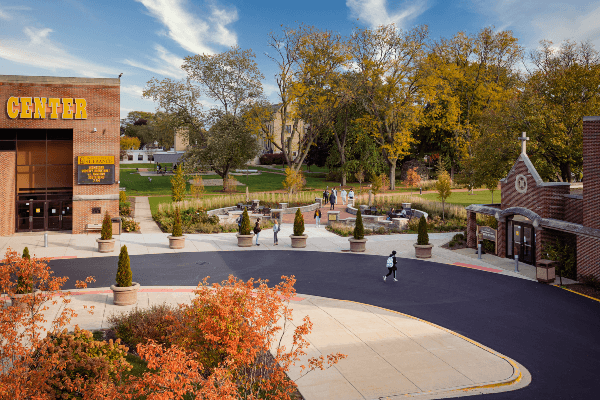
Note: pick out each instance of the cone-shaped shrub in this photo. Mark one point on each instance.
(359, 229)
(423, 238)
(124, 270)
(245, 228)
(22, 286)
(177, 231)
(298, 223)
(106, 233)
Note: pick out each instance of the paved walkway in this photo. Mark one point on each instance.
(143, 216)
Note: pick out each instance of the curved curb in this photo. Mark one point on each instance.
(573, 291)
(519, 379)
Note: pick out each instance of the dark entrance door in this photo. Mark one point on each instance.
(60, 215)
(521, 241)
(31, 216)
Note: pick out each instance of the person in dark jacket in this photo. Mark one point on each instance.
(332, 199)
(393, 268)
(257, 230)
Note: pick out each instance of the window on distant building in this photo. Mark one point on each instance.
(140, 157)
(130, 157)
(288, 128)
(150, 157)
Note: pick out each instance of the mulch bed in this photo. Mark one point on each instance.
(584, 289)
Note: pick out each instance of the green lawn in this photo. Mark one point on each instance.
(465, 199)
(142, 165)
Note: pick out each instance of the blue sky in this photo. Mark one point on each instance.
(149, 38)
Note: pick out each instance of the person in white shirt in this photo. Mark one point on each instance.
(334, 191)
(351, 197)
(343, 194)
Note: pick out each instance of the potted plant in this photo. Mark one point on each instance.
(245, 235)
(176, 239)
(358, 241)
(24, 285)
(422, 247)
(125, 291)
(298, 238)
(106, 243)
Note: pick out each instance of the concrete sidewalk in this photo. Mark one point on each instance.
(389, 354)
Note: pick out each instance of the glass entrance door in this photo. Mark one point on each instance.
(60, 215)
(31, 216)
(521, 242)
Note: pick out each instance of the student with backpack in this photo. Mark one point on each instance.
(391, 266)
(318, 217)
(257, 230)
(239, 222)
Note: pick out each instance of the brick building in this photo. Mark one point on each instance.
(533, 212)
(59, 152)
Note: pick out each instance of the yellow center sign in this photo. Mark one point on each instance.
(38, 107)
(95, 160)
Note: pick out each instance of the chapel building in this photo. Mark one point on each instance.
(534, 213)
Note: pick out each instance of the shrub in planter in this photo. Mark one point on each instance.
(423, 238)
(129, 224)
(298, 223)
(106, 233)
(124, 269)
(245, 228)
(177, 224)
(359, 229)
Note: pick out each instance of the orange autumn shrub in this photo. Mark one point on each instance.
(23, 327)
(231, 333)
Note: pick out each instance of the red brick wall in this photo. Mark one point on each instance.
(103, 112)
(588, 249)
(7, 192)
(546, 201)
(574, 210)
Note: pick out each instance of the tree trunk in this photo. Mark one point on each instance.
(343, 178)
(565, 171)
(392, 164)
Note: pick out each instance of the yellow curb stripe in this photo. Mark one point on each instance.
(517, 375)
(581, 294)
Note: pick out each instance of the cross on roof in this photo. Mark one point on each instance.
(523, 138)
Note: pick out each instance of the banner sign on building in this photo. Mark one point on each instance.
(89, 160)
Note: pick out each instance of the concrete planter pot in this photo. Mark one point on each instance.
(106, 246)
(17, 300)
(176, 242)
(299, 242)
(244, 240)
(423, 250)
(357, 245)
(125, 296)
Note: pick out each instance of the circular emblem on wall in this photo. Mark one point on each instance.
(521, 184)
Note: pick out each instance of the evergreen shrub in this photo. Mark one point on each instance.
(245, 228)
(177, 224)
(106, 233)
(423, 238)
(298, 223)
(124, 269)
(359, 229)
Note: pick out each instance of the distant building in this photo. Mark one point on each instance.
(274, 127)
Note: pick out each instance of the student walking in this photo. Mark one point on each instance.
(351, 197)
(391, 266)
(257, 230)
(343, 194)
(318, 217)
(332, 201)
(275, 231)
(239, 222)
(335, 194)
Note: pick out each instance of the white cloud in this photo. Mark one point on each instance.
(38, 50)
(5, 12)
(166, 64)
(133, 90)
(554, 20)
(375, 12)
(188, 30)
